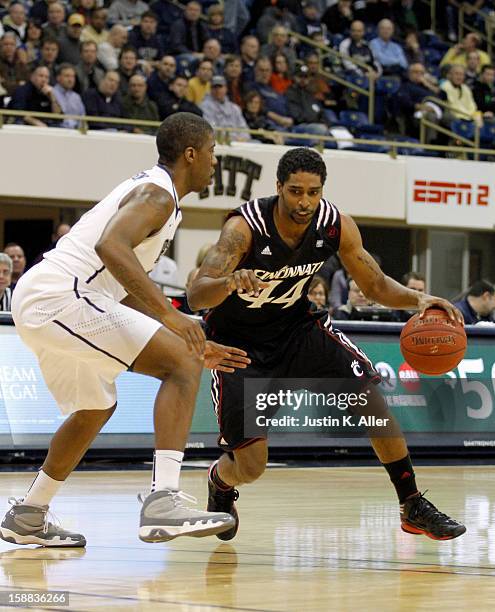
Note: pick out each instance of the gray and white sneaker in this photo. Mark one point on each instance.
(164, 517)
(28, 524)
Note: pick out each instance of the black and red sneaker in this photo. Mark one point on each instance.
(420, 517)
(223, 498)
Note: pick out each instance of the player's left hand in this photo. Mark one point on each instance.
(430, 301)
(225, 358)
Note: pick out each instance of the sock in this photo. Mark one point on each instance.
(42, 490)
(166, 470)
(401, 474)
(216, 480)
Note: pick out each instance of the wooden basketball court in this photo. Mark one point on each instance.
(315, 539)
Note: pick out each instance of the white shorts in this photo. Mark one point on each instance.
(83, 340)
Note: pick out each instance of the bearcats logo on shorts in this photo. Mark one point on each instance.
(356, 368)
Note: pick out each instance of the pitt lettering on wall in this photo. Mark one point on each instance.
(233, 166)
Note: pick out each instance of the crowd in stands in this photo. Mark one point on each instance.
(238, 64)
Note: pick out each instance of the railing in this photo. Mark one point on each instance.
(329, 52)
(426, 123)
(223, 134)
(489, 22)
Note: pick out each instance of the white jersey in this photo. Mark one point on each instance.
(75, 252)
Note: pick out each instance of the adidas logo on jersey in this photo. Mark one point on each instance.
(266, 251)
(319, 244)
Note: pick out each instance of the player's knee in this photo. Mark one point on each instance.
(182, 369)
(250, 468)
(93, 418)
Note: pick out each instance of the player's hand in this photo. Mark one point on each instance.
(188, 329)
(430, 301)
(245, 281)
(225, 358)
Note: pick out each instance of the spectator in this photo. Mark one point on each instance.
(459, 96)
(275, 104)
(60, 230)
(126, 12)
(458, 53)
(188, 34)
(32, 44)
(250, 50)
(16, 22)
(69, 101)
(84, 8)
(137, 105)
(412, 49)
(356, 48)
(175, 101)
(50, 49)
(217, 29)
(128, 66)
(37, 95)
(478, 304)
(16, 254)
(200, 85)
(410, 15)
(256, 119)
(220, 112)
(12, 72)
(279, 43)
(212, 51)
(104, 101)
(275, 16)
(236, 16)
(109, 52)
(39, 10)
(411, 280)
(484, 91)
(55, 25)
(167, 12)
(318, 84)
(161, 78)
(338, 17)
(233, 74)
(355, 300)
(473, 68)
(5, 280)
(410, 102)
(88, 73)
(339, 288)
(303, 107)
(318, 293)
(388, 53)
(280, 79)
(96, 31)
(70, 40)
(145, 39)
(310, 20)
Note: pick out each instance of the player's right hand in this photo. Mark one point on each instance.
(188, 329)
(245, 281)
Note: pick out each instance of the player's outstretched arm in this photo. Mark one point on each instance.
(376, 285)
(141, 214)
(218, 276)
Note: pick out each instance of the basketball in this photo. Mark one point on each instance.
(434, 344)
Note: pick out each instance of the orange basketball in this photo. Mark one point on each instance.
(433, 345)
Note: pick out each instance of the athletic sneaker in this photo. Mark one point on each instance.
(223, 500)
(164, 517)
(28, 524)
(419, 516)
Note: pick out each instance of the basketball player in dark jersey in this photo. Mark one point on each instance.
(255, 282)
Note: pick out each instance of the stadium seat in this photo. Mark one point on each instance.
(370, 148)
(387, 86)
(463, 128)
(432, 56)
(487, 134)
(358, 122)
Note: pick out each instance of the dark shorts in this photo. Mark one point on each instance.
(313, 350)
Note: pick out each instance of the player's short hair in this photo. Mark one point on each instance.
(480, 287)
(301, 159)
(179, 131)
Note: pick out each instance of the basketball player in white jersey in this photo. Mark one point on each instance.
(89, 312)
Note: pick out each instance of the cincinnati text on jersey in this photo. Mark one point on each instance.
(290, 272)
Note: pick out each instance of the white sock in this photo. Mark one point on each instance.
(166, 469)
(43, 490)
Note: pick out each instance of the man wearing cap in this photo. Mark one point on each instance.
(70, 40)
(219, 111)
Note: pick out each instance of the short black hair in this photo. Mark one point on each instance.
(480, 287)
(179, 131)
(412, 276)
(487, 67)
(301, 159)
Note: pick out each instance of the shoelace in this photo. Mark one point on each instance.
(427, 510)
(177, 496)
(13, 501)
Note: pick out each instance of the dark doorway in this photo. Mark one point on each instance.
(393, 245)
(34, 236)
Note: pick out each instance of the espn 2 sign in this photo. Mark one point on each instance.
(450, 193)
